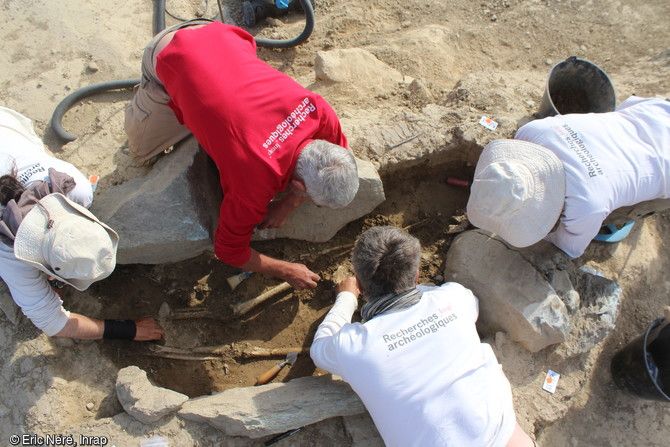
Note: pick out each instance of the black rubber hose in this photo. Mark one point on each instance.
(159, 16)
(159, 25)
(289, 43)
(77, 96)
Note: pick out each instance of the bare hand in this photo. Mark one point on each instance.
(279, 210)
(148, 329)
(300, 277)
(349, 284)
(277, 214)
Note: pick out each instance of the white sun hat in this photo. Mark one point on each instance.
(518, 191)
(66, 241)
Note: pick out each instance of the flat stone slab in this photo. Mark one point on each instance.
(314, 224)
(513, 295)
(362, 431)
(142, 400)
(265, 410)
(168, 215)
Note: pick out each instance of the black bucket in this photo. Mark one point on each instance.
(577, 86)
(634, 368)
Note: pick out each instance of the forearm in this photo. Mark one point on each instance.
(339, 315)
(325, 347)
(82, 327)
(293, 200)
(260, 263)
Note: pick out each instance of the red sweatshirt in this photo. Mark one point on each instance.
(251, 119)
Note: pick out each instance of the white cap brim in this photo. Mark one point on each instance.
(32, 232)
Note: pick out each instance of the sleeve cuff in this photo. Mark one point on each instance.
(347, 297)
(57, 323)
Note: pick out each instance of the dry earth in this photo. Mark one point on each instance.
(472, 58)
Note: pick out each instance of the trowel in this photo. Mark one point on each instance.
(271, 373)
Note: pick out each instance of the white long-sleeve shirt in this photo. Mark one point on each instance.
(422, 373)
(611, 160)
(22, 150)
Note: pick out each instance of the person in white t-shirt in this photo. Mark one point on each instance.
(562, 176)
(415, 360)
(22, 153)
(47, 233)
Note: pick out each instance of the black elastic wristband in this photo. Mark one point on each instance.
(120, 330)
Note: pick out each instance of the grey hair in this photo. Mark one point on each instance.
(386, 260)
(329, 172)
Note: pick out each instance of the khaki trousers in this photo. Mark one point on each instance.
(150, 123)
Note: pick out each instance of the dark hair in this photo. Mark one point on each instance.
(386, 260)
(10, 189)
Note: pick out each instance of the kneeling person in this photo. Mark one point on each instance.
(416, 360)
(562, 176)
(265, 132)
(48, 234)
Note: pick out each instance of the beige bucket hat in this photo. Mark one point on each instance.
(518, 191)
(66, 241)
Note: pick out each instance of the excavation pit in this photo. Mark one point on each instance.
(418, 198)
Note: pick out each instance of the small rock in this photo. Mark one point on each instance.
(547, 61)
(420, 92)
(439, 279)
(406, 24)
(530, 103)
(494, 18)
(571, 300)
(526, 46)
(27, 365)
(92, 67)
(274, 22)
(90, 406)
(499, 340)
(164, 311)
(142, 400)
(582, 47)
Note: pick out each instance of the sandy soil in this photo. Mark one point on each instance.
(475, 58)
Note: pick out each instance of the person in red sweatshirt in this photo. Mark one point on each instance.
(264, 131)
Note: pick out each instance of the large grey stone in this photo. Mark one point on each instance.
(142, 400)
(318, 224)
(7, 304)
(362, 431)
(168, 215)
(513, 295)
(355, 67)
(274, 408)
